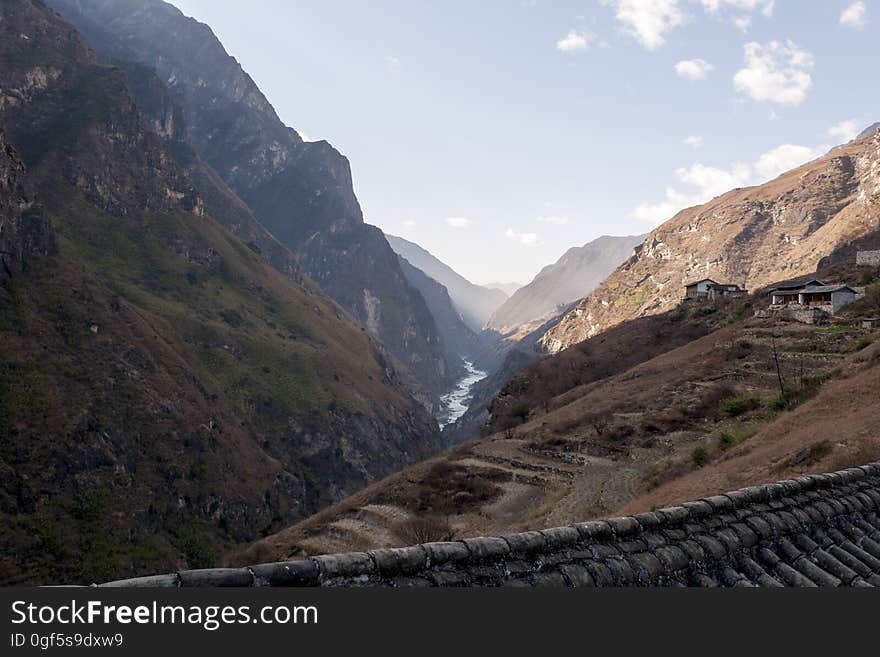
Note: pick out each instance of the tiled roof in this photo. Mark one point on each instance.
(825, 289)
(818, 530)
(793, 287)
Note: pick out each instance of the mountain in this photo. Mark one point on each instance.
(459, 341)
(507, 288)
(652, 412)
(165, 392)
(750, 237)
(300, 191)
(572, 277)
(475, 303)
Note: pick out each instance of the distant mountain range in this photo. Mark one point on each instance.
(508, 288)
(476, 303)
(573, 276)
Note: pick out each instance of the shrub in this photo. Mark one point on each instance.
(794, 396)
(734, 437)
(736, 406)
(864, 342)
(520, 412)
(423, 529)
(872, 295)
(700, 457)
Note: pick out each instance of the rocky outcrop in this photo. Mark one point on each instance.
(24, 231)
(750, 237)
(301, 192)
(475, 303)
(459, 341)
(572, 277)
(814, 531)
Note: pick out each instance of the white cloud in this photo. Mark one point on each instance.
(574, 41)
(855, 16)
(714, 6)
(303, 135)
(409, 223)
(393, 63)
(845, 130)
(785, 158)
(739, 11)
(458, 222)
(648, 21)
(743, 23)
(693, 69)
(708, 182)
(556, 220)
(694, 141)
(526, 239)
(775, 72)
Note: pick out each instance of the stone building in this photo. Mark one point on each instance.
(829, 298)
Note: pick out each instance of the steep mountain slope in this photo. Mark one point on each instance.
(475, 303)
(459, 341)
(164, 391)
(25, 232)
(572, 277)
(750, 236)
(301, 192)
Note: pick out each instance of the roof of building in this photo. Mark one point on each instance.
(702, 280)
(825, 289)
(791, 287)
(817, 530)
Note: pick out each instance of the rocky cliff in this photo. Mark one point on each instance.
(24, 231)
(164, 391)
(751, 237)
(572, 277)
(300, 191)
(459, 341)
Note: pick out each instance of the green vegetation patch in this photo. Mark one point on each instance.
(736, 406)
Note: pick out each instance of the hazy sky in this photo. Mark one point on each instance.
(499, 133)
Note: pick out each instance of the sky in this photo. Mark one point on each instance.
(497, 134)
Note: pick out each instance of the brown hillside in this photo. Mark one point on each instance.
(750, 236)
(592, 449)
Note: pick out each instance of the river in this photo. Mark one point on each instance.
(455, 403)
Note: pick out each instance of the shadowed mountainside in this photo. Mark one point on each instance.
(164, 391)
(299, 191)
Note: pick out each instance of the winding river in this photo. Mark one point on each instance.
(455, 403)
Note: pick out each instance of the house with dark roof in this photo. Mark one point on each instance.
(783, 295)
(811, 300)
(830, 298)
(706, 288)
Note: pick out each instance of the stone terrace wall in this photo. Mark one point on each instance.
(818, 530)
(868, 258)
